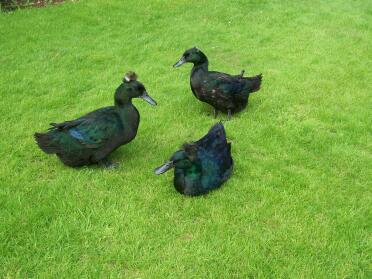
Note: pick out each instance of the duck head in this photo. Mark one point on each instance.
(181, 159)
(131, 88)
(192, 55)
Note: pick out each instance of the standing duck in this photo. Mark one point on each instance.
(92, 137)
(201, 166)
(226, 93)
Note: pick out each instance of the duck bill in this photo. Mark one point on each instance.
(163, 168)
(180, 62)
(148, 99)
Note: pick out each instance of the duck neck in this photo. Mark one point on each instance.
(201, 65)
(123, 102)
(128, 113)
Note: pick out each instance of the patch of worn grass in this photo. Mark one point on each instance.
(298, 204)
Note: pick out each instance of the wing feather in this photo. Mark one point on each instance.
(94, 129)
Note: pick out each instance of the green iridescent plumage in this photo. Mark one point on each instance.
(227, 93)
(201, 166)
(92, 137)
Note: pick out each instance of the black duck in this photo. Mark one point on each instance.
(226, 93)
(92, 137)
(201, 166)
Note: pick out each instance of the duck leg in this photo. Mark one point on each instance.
(229, 114)
(215, 113)
(107, 164)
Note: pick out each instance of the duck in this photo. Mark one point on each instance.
(224, 92)
(91, 138)
(201, 166)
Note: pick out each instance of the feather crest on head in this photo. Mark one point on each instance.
(190, 148)
(130, 76)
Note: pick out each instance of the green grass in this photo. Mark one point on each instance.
(299, 202)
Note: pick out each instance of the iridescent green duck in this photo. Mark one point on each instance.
(226, 93)
(92, 137)
(201, 166)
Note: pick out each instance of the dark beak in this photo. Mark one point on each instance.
(148, 99)
(180, 62)
(163, 168)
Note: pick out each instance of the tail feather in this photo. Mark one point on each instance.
(45, 142)
(254, 83)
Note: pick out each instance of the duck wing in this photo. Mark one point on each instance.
(94, 129)
(216, 165)
(224, 85)
(213, 149)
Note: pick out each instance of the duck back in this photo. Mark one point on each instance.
(215, 154)
(222, 91)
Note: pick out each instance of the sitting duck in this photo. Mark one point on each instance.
(226, 93)
(201, 166)
(92, 137)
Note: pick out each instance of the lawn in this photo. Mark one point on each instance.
(299, 202)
